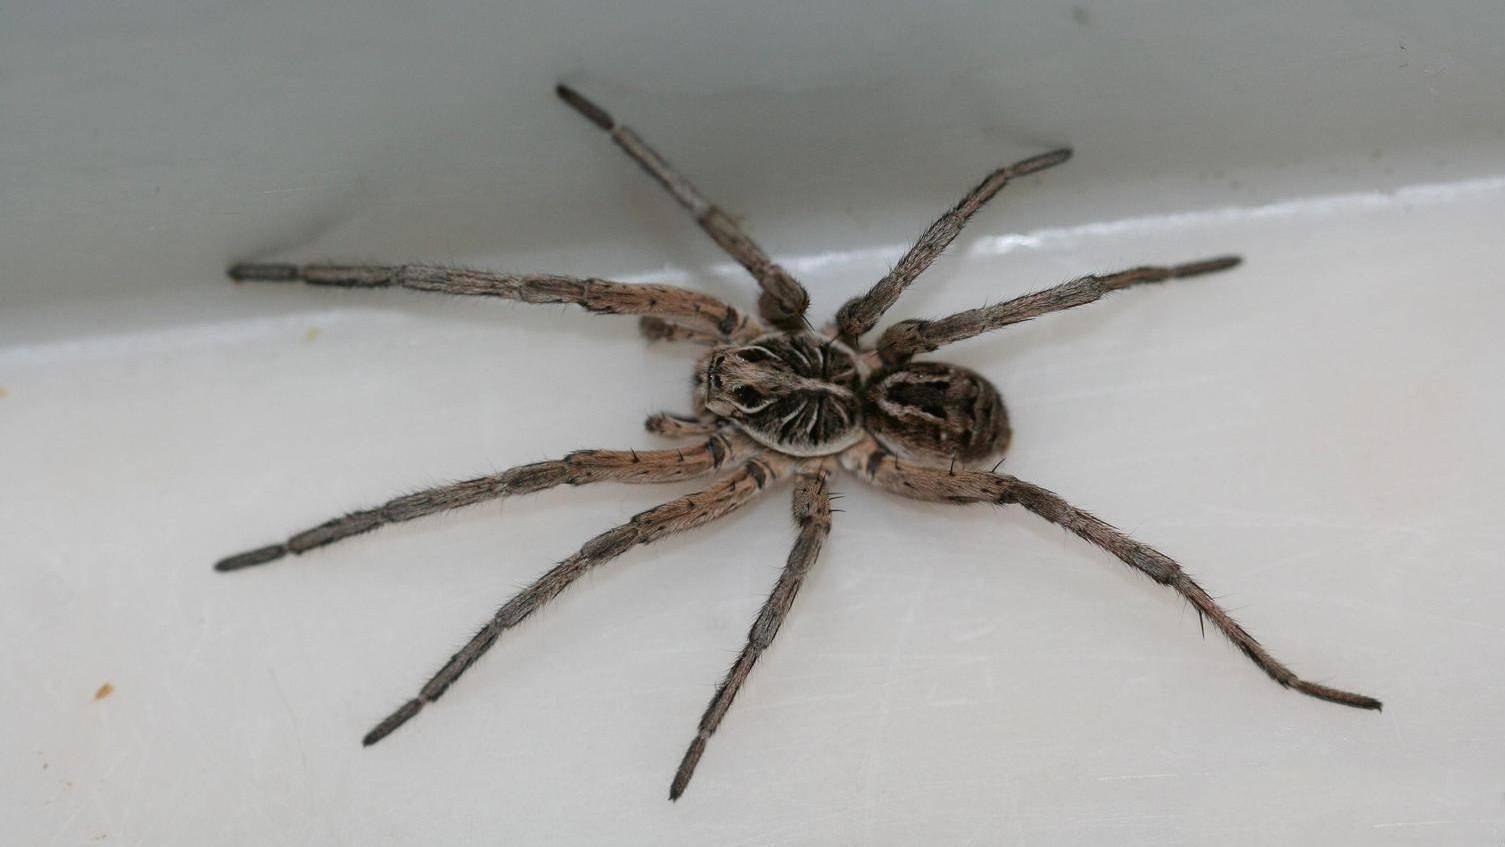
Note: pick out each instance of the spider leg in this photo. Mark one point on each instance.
(784, 300)
(906, 338)
(859, 314)
(698, 310)
(671, 425)
(730, 493)
(578, 468)
(658, 329)
(872, 463)
(812, 511)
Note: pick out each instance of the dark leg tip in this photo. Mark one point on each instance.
(259, 556)
(253, 272)
(1207, 266)
(392, 722)
(1339, 696)
(1038, 163)
(595, 114)
(681, 782)
(687, 767)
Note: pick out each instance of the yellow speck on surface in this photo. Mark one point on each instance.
(313, 332)
(104, 691)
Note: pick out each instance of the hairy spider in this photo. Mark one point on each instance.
(773, 399)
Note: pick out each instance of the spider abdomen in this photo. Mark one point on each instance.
(936, 411)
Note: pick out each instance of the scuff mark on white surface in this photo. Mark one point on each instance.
(1134, 776)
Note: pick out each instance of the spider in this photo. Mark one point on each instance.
(774, 399)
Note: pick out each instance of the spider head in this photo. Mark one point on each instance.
(793, 392)
(937, 412)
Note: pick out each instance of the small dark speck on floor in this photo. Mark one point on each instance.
(1080, 15)
(104, 691)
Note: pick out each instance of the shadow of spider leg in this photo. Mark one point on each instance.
(870, 462)
(812, 511)
(578, 468)
(730, 493)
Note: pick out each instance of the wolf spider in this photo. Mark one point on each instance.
(773, 399)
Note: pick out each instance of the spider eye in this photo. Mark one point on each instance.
(748, 396)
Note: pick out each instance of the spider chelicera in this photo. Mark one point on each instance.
(773, 399)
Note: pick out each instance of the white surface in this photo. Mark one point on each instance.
(1315, 436)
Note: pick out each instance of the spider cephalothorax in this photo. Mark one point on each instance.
(794, 392)
(773, 400)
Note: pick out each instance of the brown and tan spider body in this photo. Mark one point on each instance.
(773, 400)
(804, 395)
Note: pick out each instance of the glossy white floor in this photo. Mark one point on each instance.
(1315, 436)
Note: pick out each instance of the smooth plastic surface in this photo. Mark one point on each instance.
(1316, 435)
